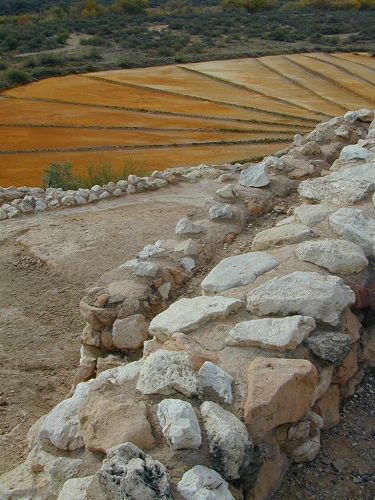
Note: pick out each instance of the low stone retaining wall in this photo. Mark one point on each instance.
(241, 379)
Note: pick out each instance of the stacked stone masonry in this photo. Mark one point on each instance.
(213, 396)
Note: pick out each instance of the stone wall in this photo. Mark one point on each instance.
(243, 378)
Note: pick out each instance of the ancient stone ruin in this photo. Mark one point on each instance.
(211, 396)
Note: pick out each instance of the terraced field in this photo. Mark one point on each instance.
(210, 112)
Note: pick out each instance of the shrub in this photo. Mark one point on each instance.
(60, 175)
(14, 76)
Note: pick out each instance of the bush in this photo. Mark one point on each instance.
(60, 175)
(14, 76)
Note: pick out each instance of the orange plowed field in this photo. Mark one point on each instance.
(210, 112)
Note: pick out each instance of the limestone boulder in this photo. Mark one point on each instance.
(165, 372)
(203, 483)
(128, 472)
(110, 417)
(277, 334)
(355, 152)
(310, 215)
(179, 424)
(306, 293)
(354, 225)
(338, 256)
(230, 447)
(198, 354)
(238, 270)
(186, 227)
(186, 315)
(141, 268)
(130, 333)
(279, 391)
(75, 488)
(61, 427)
(281, 235)
(331, 347)
(215, 382)
(254, 176)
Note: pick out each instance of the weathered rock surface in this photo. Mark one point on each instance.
(109, 418)
(338, 256)
(230, 446)
(165, 372)
(277, 334)
(310, 215)
(61, 427)
(254, 176)
(186, 315)
(185, 227)
(128, 472)
(281, 235)
(279, 391)
(130, 333)
(354, 225)
(141, 268)
(75, 488)
(331, 347)
(201, 483)
(328, 407)
(307, 293)
(215, 381)
(179, 424)
(237, 270)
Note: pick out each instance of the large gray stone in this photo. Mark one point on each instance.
(75, 488)
(277, 334)
(354, 225)
(307, 293)
(281, 235)
(332, 347)
(186, 226)
(238, 270)
(229, 443)
(254, 176)
(221, 211)
(338, 256)
(215, 381)
(201, 483)
(179, 424)
(128, 472)
(141, 268)
(165, 372)
(187, 315)
(355, 152)
(310, 215)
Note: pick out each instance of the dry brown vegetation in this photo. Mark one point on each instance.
(167, 116)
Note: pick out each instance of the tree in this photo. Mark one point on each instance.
(129, 6)
(249, 5)
(91, 9)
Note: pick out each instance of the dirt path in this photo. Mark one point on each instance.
(45, 263)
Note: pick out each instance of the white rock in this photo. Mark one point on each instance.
(187, 315)
(201, 483)
(273, 162)
(75, 488)
(40, 205)
(306, 293)
(338, 256)
(310, 215)
(221, 211)
(186, 226)
(179, 424)
(353, 225)
(122, 374)
(355, 152)
(213, 378)
(141, 268)
(165, 372)
(229, 443)
(130, 333)
(61, 426)
(227, 192)
(279, 334)
(188, 264)
(255, 176)
(238, 270)
(365, 115)
(281, 235)
(104, 195)
(153, 250)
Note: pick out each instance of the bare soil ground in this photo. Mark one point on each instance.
(45, 264)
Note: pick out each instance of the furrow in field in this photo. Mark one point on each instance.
(177, 80)
(312, 96)
(27, 169)
(355, 72)
(339, 86)
(43, 113)
(146, 112)
(361, 59)
(251, 74)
